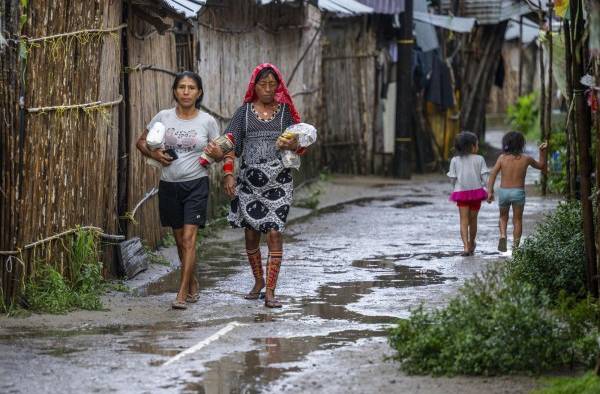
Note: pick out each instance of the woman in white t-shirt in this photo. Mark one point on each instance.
(184, 185)
(468, 173)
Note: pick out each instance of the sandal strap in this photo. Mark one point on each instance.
(273, 266)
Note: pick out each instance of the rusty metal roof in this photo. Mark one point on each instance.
(488, 12)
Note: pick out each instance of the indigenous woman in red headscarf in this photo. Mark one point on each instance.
(262, 193)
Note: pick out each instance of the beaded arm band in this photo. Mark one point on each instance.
(228, 166)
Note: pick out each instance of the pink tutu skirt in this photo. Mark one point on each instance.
(469, 195)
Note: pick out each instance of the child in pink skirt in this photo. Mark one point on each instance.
(468, 173)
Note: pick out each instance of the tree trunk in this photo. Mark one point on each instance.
(582, 124)
(478, 75)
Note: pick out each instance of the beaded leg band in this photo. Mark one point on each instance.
(255, 260)
(273, 265)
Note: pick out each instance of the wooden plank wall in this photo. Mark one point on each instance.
(68, 176)
(149, 92)
(235, 38)
(349, 91)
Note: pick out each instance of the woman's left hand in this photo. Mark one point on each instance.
(214, 151)
(287, 143)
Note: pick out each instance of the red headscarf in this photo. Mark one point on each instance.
(282, 95)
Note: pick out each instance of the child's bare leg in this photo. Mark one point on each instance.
(503, 223)
(472, 229)
(464, 226)
(517, 224)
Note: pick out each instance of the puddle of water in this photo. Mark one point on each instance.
(272, 358)
(251, 371)
(59, 351)
(410, 204)
(151, 348)
(212, 266)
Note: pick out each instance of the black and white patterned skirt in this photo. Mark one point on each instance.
(264, 194)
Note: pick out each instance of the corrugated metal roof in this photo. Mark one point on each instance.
(190, 9)
(454, 23)
(530, 31)
(489, 12)
(425, 33)
(187, 8)
(386, 6)
(344, 7)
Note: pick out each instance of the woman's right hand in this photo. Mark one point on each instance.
(229, 185)
(160, 156)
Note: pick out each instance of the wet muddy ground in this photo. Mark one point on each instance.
(348, 273)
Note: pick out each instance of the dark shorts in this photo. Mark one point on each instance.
(182, 203)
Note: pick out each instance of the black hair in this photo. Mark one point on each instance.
(196, 79)
(264, 73)
(513, 143)
(464, 143)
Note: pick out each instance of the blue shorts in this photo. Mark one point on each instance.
(511, 196)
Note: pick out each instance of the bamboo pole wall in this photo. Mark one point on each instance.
(235, 38)
(9, 129)
(149, 92)
(69, 177)
(349, 92)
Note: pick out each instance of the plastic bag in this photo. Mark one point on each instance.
(155, 140)
(307, 135)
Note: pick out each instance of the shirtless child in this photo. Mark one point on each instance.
(512, 165)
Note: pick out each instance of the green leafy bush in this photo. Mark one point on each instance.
(493, 326)
(497, 325)
(524, 115)
(582, 319)
(552, 258)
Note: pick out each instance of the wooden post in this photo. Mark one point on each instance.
(404, 97)
(542, 92)
(582, 124)
(548, 111)
(520, 55)
(571, 156)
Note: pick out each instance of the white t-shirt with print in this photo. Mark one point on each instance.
(188, 137)
(469, 172)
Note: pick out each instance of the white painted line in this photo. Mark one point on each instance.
(204, 342)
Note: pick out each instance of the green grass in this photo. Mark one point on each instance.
(168, 240)
(155, 257)
(586, 384)
(117, 285)
(81, 285)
